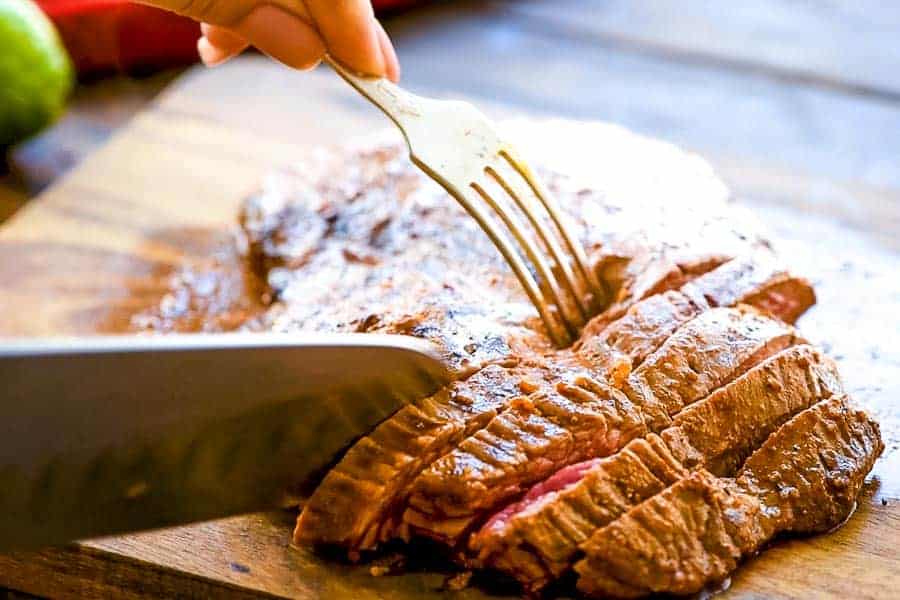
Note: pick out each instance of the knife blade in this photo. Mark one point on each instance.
(113, 434)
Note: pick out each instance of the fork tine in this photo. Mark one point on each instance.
(559, 334)
(514, 191)
(575, 248)
(531, 252)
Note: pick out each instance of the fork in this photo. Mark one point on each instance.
(458, 147)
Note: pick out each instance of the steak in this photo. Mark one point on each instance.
(353, 502)
(720, 432)
(756, 280)
(528, 442)
(697, 531)
(584, 419)
(704, 354)
(689, 364)
(336, 257)
(536, 540)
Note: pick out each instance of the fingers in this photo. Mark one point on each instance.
(391, 63)
(283, 36)
(219, 44)
(350, 32)
(295, 32)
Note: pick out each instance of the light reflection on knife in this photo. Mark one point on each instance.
(115, 434)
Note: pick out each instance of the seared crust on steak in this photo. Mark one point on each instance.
(720, 432)
(694, 532)
(757, 279)
(697, 531)
(352, 506)
(706, 353)
(585, 419)
(811, 470)
(536, 436)
(537, 543)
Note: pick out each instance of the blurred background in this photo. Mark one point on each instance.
(802, 94)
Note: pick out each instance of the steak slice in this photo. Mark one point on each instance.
(352, 504)
(581, 418)
(722, 430)
(643, 272)
(536, 540)
(757, 279)
(822, 456)
(695, 532)
(704, 354)
(692, 533)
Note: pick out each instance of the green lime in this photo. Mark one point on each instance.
(35, 71)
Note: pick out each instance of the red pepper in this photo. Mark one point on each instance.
(117, 36)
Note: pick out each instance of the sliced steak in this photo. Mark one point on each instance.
(535, 437)
(704, 354)
(646, 272)
(352, 505)
(536, 540)
(692, 533)
(696, 532)
(408, 443)
(721, 431)
(809, 473)
(584, 419)
(757, 279)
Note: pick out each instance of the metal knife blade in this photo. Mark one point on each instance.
(112, 434)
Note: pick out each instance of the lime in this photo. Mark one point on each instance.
(35, 71)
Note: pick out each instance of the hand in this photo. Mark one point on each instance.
(295, 32)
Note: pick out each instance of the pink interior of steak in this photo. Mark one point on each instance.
(541, 492)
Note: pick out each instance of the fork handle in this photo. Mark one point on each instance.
(398, 104)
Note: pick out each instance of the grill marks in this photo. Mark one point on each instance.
(528, 442)
(583, 418)
(537, 541)
(352, 506)
(696, 531)
(426, 469)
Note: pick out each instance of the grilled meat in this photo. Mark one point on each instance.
(804, 479)
(687, 368)
(536, 539)
(704, 354)
(585, 419)
(756, 280)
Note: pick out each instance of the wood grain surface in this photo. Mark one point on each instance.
(98, 245)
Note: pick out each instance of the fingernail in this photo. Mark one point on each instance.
(209, 54)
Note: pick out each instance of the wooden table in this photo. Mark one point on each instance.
(796, 107)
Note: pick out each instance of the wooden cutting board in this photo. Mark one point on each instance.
(98, 246)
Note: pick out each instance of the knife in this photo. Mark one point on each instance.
(105, 435)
